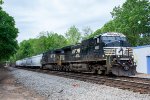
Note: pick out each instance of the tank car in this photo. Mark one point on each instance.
(108, 53)
(18, 63)
(30, 62)
(34, 61)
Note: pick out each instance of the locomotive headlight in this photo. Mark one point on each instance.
(132, 56)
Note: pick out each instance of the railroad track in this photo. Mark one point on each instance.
(135, 84)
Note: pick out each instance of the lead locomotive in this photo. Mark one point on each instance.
(109, 53)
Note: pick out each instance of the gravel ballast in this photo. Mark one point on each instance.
(59, 88)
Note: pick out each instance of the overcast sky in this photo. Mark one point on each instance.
(34, 16)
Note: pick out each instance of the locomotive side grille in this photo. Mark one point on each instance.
(129, 51)
(110, 51)
(118, 51)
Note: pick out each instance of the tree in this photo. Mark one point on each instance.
(44, 42)
(56, 41)
(73, 35)
(8, 34)
(144, 41)
(87, 31)
(1, 2)
(41, 44)
(97, 32)
(132, 19)
(25, 49)
(110, 27)
(50, 41)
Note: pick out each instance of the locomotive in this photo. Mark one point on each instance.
(108, 53)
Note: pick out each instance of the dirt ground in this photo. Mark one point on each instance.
(142, 75)
(10, 89)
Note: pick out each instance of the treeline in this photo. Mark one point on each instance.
(131, 19)
(50, 41)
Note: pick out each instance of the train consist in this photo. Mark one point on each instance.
(108, 53)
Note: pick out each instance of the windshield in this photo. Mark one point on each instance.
(108, 39)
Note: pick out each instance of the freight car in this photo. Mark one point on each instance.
(108, 53)
(31, 62)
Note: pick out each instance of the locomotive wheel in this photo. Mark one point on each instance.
(67, 69)
(41, 67)
(99, 72)
(63, 69)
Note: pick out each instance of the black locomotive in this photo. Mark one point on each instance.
(108, 53)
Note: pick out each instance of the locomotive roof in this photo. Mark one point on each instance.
(113, 34)
(58, 50)
(67, 47)
(76, 46)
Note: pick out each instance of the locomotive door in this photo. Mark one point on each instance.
(58, 59)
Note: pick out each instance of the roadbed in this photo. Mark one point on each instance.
(60, 88)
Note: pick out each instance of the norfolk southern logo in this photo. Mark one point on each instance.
(121, 49)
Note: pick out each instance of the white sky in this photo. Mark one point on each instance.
(34, 16)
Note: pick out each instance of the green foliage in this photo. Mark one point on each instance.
(25, 50)
(132, 19)
(8, 34)
(44, 42)
(73, 35)
(97, 32)
(1, 2)
(86, 32)
(109, 27)
(144, 41)
(56, 41)
(49, 41)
